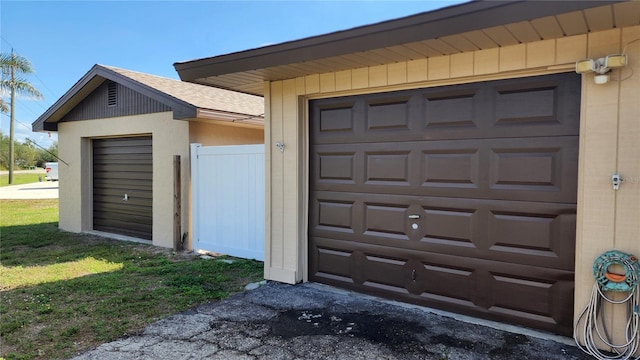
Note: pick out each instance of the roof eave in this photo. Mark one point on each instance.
(448, 21)
(234, 118)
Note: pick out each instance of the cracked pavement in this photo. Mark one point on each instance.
(309, 321)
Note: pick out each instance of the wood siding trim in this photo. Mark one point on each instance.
(540, 57)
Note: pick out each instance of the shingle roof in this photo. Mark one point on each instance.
(200, 96)
(187, 100)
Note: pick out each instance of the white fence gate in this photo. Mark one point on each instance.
(227, 207)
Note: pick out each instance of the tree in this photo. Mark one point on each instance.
(13, 68)
(48, 155)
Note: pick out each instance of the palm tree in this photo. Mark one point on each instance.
(13, 67)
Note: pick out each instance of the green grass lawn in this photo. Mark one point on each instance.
(20, 178)
(63, 293)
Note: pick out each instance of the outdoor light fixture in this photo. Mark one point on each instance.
(601, 66)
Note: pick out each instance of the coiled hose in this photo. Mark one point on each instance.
(591, 322)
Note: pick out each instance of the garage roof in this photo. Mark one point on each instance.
(475, 25)
(187, 100)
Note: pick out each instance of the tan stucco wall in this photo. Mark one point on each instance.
(212, 134)
(610, 140)
(170, 137)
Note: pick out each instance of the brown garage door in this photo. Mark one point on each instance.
(123, 166)
(461, 198)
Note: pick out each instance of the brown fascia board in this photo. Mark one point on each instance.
(89, 82)
(456, 19)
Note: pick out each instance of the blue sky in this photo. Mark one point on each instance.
(64, 39)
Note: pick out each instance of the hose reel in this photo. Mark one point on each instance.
(591, 323)
(609, 281)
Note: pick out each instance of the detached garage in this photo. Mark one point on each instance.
(452, 158)
(125, 138)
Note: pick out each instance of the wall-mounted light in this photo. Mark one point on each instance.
(601, 66)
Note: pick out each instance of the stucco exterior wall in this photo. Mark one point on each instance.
(213, 134)
(170, 137)
(609, 140)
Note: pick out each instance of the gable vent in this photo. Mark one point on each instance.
(112, 93)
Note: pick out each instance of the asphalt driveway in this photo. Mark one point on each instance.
(310, 321)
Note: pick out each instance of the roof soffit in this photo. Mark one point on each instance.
(466, 27)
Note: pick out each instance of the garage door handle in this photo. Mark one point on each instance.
(125, 198)
(414, 216)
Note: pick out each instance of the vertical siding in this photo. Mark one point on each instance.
(274, 254)
(128, 103)
(627, 230)
(628, 199)
(597, 162)
(291, 165)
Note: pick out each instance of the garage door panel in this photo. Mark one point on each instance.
(140, 221)
(450, 109)
(120, 168)
(124, 175)
(138, 210)
(456, 168)
(544, 168)
(535, 296)
(336, 167)
(124, 184)
(514, 231)
(122, 150)
(385, 220)
(138, 143)
(117, 196)
(389, 114)
(531, 107)
(538, 169)
(335, 215)
(387, 168)
(118, 229)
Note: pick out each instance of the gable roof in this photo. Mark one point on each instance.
(187, 100)
(475, 25)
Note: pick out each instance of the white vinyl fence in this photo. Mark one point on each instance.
(227, 187)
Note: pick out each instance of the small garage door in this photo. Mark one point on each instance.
(461, 198)
(122, 186)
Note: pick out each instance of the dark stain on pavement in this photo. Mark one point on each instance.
(394, 333)
(451, 341)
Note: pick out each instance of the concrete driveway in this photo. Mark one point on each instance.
(310, 321)
(38, 190)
